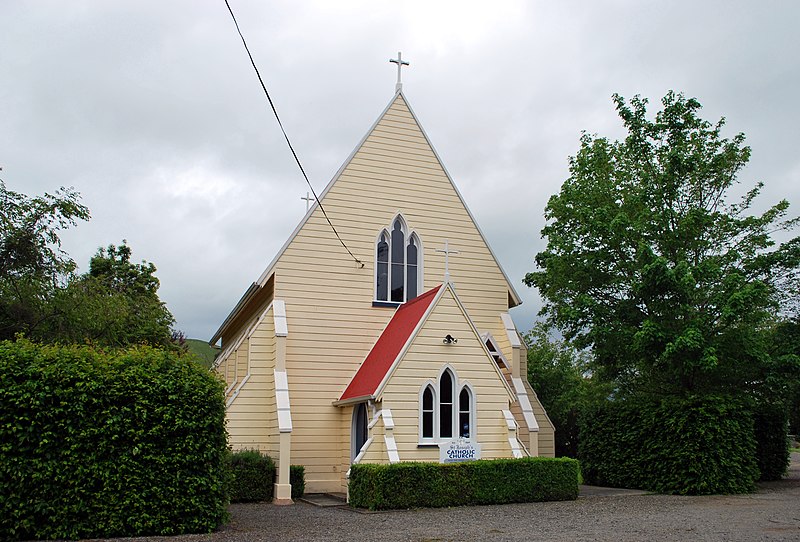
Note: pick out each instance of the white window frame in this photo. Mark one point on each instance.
(453, 405)
(458, 387)
(408, 234)
(472, 425)
(354, 429)
(434, 388)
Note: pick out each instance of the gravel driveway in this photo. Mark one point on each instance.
(773, 513)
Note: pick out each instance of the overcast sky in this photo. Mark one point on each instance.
(151, 110)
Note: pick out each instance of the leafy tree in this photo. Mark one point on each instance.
(652, 265)
(115, 304)
(147, 317)
(561, 377)
(32, 265)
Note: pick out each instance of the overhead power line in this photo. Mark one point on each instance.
(275, 112)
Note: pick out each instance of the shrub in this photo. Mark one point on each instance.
(772, 441)
(252, 476)
(412, 485)
(694, 446)
(297, 477)
(104, 444)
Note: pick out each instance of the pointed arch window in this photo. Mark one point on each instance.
(446, 410)
(398, 269)
(428, 412)
(382, 259)
(446, 386)
(359, 432)
(411, 268)
(464, 412)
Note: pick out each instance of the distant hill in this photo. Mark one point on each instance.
(204, 352)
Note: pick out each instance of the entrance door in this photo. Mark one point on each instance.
(359, 431)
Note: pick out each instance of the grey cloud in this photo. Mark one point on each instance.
(151, 110)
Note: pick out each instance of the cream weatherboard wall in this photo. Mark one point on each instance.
(424, 361)
(546, 434)
(252, 414)
(328, 296)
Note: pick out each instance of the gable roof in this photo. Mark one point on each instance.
(245, 304)
(388, 347)
(385, 356)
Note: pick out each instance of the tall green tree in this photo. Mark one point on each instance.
(654, 265)
(33, 268)
(115, 303)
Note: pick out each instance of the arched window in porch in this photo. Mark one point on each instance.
(359, 430)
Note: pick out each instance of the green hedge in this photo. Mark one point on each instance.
(297, 477)
(695, 446)
(414, 485)
(107, 444)
(253, 476)
(772, 441)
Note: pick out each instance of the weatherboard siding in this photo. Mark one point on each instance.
(252, 416)
(424, 361)
(547, 444)
(332, 323)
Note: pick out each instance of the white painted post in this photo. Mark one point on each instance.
(283, 486)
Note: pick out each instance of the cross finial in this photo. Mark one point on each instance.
(400, 63)
(308, 200)
(447, 252)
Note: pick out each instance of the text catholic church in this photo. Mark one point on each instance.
(329, 363)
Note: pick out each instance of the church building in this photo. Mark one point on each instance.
(402, 351)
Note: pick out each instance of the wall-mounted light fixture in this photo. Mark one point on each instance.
(449, 339)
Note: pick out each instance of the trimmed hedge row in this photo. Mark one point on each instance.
(297, 477)
(253, 477)
(772, 441)
(499, 481)
(695, 446)
(108, 444)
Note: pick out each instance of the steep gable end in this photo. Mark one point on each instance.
(402, 331)
(394, 171)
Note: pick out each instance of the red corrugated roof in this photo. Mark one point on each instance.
(380, 359)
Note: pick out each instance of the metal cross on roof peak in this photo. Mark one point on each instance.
(308, 200)
(400, 63)
(447, 252)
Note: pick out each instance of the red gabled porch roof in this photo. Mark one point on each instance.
(388, 346)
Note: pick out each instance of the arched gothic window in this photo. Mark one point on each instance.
(446, 410)
(382, 267)
(397, 264)
(411, 268)
(464, 412)
(446, 386)
(359, 430)
(428, 412)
